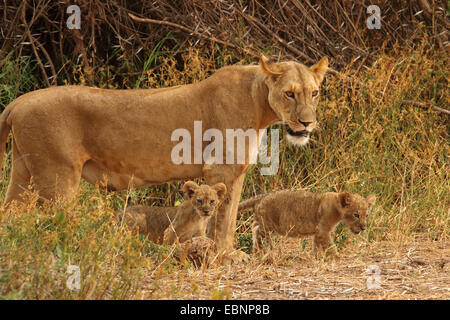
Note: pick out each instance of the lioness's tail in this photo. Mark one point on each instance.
(5, 128)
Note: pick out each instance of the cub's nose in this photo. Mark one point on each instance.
(306, 124)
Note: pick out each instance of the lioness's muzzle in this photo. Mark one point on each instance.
(302, 133)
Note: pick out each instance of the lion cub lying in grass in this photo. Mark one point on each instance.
(301, 213)
(169, 224)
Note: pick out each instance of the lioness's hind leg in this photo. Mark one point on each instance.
(20, 177)
(63, 184)
(54, 178)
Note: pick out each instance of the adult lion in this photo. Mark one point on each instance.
(61, 134)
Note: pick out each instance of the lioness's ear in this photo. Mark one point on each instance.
(371, 200)
(265, 66)
(320, 68)
(221, 190)
(344, 199)
(189, 189)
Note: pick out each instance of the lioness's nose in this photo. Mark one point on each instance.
(306, 124)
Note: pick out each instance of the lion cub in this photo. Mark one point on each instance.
(301, 213)
(188, 220)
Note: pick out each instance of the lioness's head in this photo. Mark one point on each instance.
(355, 210)
(205, 199)
(294, 95)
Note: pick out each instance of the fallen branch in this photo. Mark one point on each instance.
(30, 37)
(283, 42)
(426, 105)
(187, 30)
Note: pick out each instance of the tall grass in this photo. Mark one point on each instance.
(17, 78)
(369, 140)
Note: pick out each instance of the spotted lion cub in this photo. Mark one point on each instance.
(181, 223)
(300, 213)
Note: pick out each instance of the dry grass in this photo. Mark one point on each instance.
(370, 140)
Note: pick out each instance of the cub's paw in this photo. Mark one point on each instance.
(326, 254)
(238, 257)
(200, 251)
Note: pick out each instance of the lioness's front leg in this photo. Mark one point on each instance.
(222, 227)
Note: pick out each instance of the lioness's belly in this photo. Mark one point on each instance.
(95, 173)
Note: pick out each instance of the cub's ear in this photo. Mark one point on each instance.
(319, 69)
(221, 190)
(371, 200)
(189, 189)
(345, 199)
(266, 67)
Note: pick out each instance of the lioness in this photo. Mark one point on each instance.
(169, 224)
(301, 213)
(123, 137)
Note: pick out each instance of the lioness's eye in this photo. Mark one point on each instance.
(212, 201)
(289, 94)
(356, 215)
(315, 93)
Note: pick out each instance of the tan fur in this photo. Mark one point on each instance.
(200, 251)
(123, 137)
(169, 224)
(148, 220)
(301, 213)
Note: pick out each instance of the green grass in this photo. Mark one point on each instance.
(16, 78)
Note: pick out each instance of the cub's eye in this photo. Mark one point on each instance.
(315, 93)
(199, 201)
(290, 94)
(356, 215)
(212, 202)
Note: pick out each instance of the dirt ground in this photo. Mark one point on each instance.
(414, 269)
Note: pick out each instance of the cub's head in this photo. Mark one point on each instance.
(205, 199)
(355, 210)
(294, 95)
